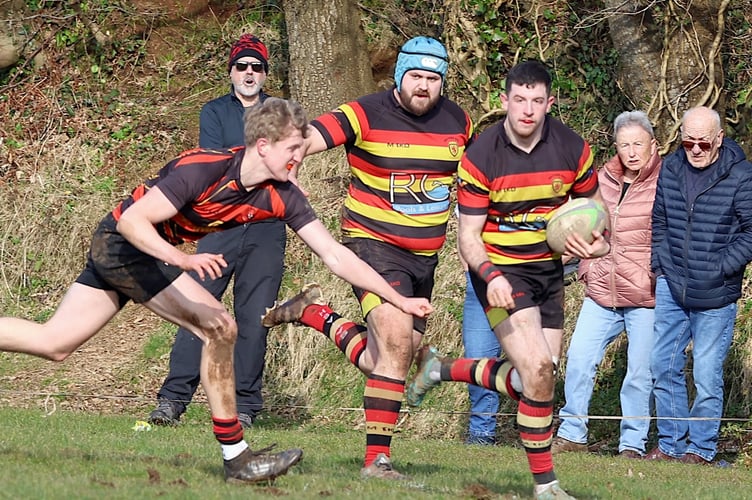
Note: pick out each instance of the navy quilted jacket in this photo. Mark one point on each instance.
(702, 246)
(221, 122)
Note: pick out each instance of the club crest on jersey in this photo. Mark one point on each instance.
(557, 184)
(454, 148)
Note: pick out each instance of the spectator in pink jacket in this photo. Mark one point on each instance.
(619, 294)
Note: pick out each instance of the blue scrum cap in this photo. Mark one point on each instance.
(423, 53)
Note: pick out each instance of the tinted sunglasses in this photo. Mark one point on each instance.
(690, 145)
(257, 67)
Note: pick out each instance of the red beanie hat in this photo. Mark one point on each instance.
(249, 45)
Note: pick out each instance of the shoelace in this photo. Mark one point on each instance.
(263, 451)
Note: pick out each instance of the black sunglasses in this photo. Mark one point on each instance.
(257, 67)
(690, 145)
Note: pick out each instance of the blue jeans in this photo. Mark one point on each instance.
(711, 332)
(480, 342)
(596, 328)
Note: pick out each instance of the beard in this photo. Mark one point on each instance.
(418, 103)
(248, 90)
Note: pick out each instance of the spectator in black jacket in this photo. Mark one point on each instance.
(702, 242)
(254, 255)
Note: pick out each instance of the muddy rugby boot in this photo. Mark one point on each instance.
(381, 468)
(553, 492)
(291, 310)
(256, 467)
(429, 362)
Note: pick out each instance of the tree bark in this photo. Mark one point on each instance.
(329, 61)
(669, 57)
(8, 52)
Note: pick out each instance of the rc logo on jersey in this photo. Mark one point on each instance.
(417, 195)
(454, 148)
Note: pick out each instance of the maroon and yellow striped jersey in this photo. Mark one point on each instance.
(402, 168)
(204, 185)
(518, 191)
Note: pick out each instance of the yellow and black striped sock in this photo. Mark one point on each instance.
(491, 373)
(534, 420)
(382, 401)
(349, 337)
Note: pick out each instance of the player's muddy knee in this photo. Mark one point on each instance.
(546, 372)
(224, 330)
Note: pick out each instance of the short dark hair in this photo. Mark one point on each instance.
(530, 72)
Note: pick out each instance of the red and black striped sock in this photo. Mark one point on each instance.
(228, 431)
(349, 337)
(534, 419)
(315, 315)
(382, 401)
(490, 373)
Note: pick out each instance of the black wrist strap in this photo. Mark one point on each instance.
(488, 271)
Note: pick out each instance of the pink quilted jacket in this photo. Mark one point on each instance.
(623, 278)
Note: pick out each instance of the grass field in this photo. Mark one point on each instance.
(76, 139)
(78, 455)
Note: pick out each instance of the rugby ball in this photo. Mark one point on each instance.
(579, 215)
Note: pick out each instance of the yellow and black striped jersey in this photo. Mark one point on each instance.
(402, 168)
(518, 191)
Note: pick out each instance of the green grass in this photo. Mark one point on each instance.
(77, 455)
(160, 342)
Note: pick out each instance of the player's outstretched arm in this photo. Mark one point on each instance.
(348, 266)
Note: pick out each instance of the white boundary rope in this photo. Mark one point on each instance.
(50, 407)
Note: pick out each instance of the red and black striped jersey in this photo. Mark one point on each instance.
(518, 191)
(402, 168)
(204, 185)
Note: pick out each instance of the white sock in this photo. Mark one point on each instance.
(515, 380)
(230, 451)
(540, 488)
(435, 373)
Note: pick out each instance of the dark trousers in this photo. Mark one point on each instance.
(255, 256)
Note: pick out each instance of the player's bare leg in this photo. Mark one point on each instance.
(81, 314)
(189, 305)
(534, 352)
(382, 351)
(390, 342)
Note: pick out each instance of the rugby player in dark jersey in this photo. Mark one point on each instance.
(254, 253)
(133, 256)
(403, 146)
(510, 181)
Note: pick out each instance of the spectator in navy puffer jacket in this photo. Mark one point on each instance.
(702, 241)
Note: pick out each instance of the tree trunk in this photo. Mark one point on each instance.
(669, 58)
(8, 52)
(329, 61)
